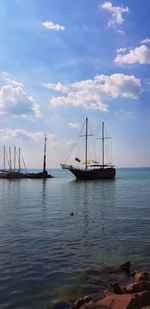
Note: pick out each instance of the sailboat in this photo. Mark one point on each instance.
(44, 174)
(92, 169)
(14, 172)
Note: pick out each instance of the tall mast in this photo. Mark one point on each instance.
(103, 146)
(4, 157)
(86, 137)
(44, 162)
(19, 160)
(10, 156)
(14, 158)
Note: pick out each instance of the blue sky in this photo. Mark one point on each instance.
(63, 60)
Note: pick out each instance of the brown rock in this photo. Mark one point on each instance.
(81, 301)
(116, 288)
(112, 302)
(137, 287)
(78, 303)
(143, 298)
(87, 299)
(141, 276)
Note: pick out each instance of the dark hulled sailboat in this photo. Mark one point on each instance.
(95, 170)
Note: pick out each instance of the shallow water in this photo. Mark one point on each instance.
(46, 255)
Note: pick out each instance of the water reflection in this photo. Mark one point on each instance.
(44, 192)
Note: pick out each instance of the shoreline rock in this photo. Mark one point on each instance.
(133, 295)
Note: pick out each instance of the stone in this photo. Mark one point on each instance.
(81, 301)
(116, 288)
(87, 299)
(141, 276)
(78, 303)
(143, 298)
(137, 287)
(111, 302)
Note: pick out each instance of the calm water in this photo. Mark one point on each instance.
(46, 255)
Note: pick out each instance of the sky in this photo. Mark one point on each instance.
(64, 60)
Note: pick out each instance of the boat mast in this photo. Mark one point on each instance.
(103, 145)
(44, 162)
(14, 158)
(19, 160)
(4, 157)
(86, 137)
(10, 156)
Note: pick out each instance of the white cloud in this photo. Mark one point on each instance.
(145, 41)
(121, 50)
(139, 55)
(58, 87)
(116, 12)
(52, 26)
(10, 134)
(73, 124)
(93, 93)
(121, 32)
(15, 101)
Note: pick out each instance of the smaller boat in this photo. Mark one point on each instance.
(92, 169)
(15, 173)
(12, 172)
(44, 174)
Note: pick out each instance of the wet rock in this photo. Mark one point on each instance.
(126, 267)
(116, 288)
(87, 299)
(125, 301)
(141, 276)
(135, 295)
(81, 301)
(144, 298)
(111, 302)
(137, 287)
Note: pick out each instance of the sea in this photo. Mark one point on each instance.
(61, 238)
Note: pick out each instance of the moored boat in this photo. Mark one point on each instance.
(13, 172)
(92, 169)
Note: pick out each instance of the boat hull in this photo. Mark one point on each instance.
(97, 173)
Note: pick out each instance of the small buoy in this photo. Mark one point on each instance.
(72, 214)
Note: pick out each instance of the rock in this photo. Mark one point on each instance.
(111, 302)
(126, 267)
(141, 276)
(116, 288)
(125, 301)
(78, 303)
(81, 301)
(87, 299)
(144, 298)
(137, 287)
(135, 295)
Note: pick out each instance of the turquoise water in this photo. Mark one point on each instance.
(47, 256)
